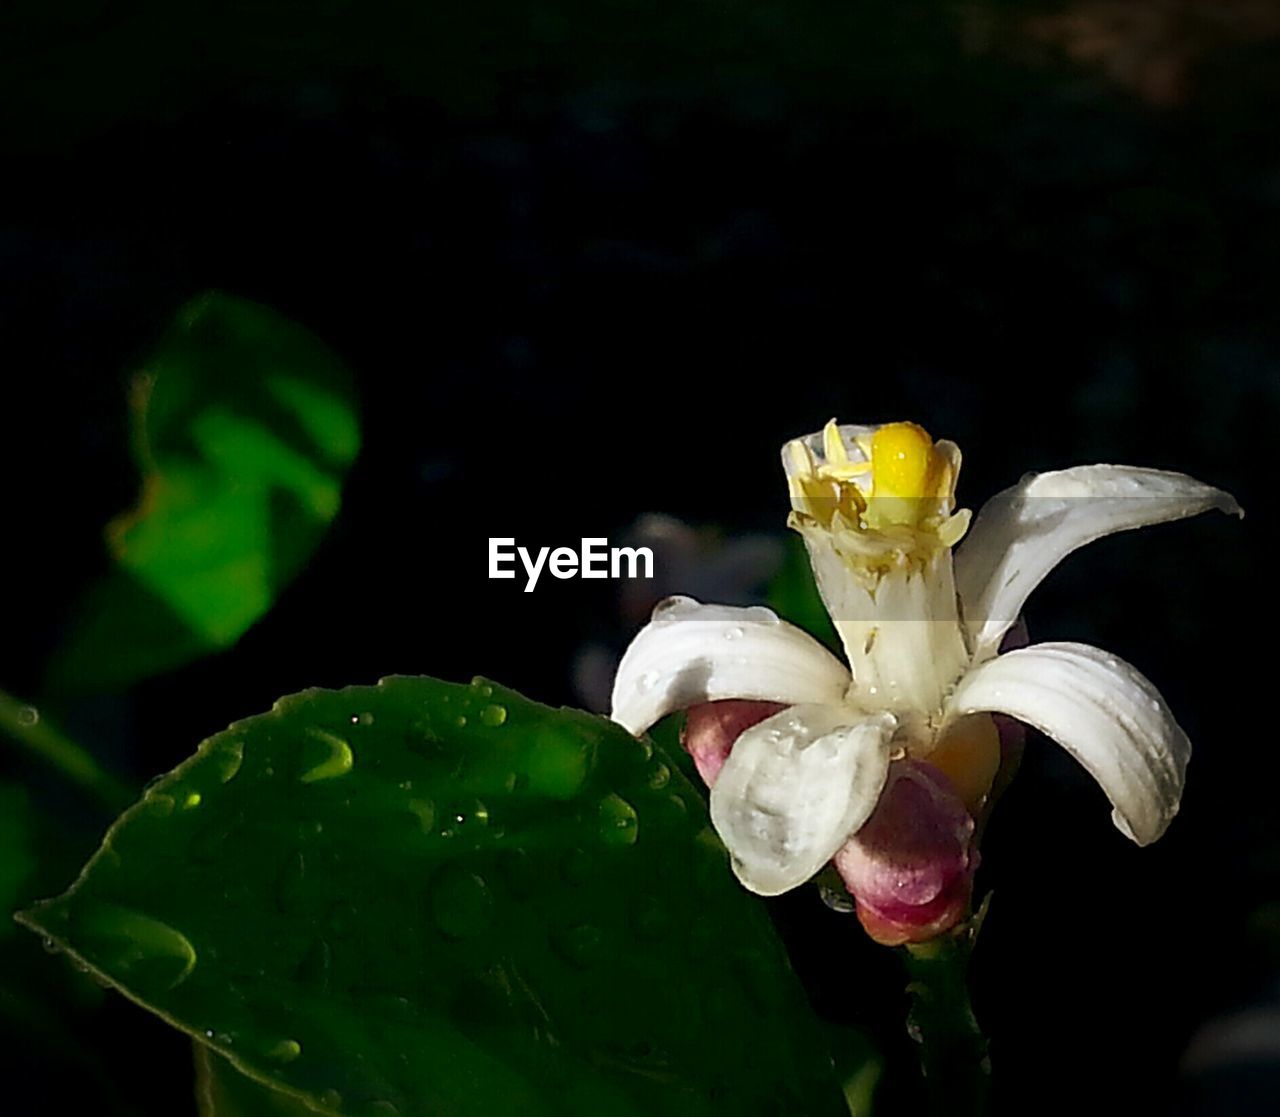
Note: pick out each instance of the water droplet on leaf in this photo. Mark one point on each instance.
(326, 756)
(135, 948)
(226, 760)
(283, 1052)
(619, 825)
(461, 903)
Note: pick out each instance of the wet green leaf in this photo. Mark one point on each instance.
(244, 427)
(430, 898)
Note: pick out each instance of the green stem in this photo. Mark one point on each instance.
(953, 1050)
(26, 726)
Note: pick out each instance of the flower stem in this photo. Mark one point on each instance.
(25, 725)
(953, 1050)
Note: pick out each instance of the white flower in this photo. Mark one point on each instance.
(921, 633)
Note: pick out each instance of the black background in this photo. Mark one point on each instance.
(592, 261)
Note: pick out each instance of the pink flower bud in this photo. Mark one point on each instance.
(910, 868)
(711, 728)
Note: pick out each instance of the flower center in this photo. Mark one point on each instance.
(874, 506)
(892, 482)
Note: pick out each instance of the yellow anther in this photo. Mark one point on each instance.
(833, 445)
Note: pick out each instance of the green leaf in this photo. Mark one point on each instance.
(448, 899)
(244, 427)
(793, 595)
(17, 858)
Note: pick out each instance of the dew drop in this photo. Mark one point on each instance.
(659, 777)
(481, 686)
(647, 681)
(461, 903)
(493, 716)
(283, 1052)
(670, 608)
(837, 899)
(365, 718)
(159, 804)
(618, 824)
(193, 800)
(28, 716)
(425, 812)
(469, 814)
(226, 760)
(331, 1099)
(326, 756)
(141, 949)
(734, 632)
(460, 720)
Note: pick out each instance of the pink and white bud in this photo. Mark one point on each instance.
(910, 867)
(711, 728)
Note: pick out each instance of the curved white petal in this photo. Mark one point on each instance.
(794, 788)
(1024, 532)
(690, 653)
(1103, 712)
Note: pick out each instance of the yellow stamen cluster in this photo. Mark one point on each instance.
(902, 479)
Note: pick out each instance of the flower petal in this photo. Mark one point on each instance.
(1103, 712)
(1024, 532)
(794, 788)
(691, 653)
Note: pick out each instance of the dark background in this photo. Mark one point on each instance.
(592, 261)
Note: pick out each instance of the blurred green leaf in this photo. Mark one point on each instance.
(447, 898)
(17, 858)
(793, 595)
(244, 427)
